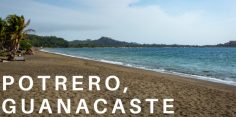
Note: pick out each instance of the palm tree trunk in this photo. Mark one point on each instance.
(13, 51)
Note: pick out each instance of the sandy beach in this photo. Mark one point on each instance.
(195, 98)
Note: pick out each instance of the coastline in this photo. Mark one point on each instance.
(204, 78)
(179, 76)
(192, 96)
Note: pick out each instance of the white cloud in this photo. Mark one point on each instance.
(115, 18)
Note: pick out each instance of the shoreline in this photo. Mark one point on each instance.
(189, 76)
(192, 97)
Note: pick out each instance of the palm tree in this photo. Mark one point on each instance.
(16, 30)
(1, 34)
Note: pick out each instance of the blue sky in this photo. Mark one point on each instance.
(144, 21)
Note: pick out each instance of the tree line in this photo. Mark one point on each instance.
(57, 42)
(47, 41)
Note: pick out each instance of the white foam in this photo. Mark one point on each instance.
(206, 78)
(211, 79)
(42, 50)
(112, 62)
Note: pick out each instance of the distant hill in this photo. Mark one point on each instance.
(53, 41)
(102, 42)
(228, 44)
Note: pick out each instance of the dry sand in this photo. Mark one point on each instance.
(193, 98)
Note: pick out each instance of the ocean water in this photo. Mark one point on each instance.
(212, 64)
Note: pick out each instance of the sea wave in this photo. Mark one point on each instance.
(206, 78)
(112, 62)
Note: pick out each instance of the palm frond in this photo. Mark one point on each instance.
(27, 24)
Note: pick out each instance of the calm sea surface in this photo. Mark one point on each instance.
(213, 64)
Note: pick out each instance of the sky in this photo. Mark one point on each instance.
(194, 22)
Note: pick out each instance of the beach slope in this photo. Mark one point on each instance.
(191, 97)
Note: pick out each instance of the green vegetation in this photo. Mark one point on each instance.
(47, 41)
(25, 45)
(52, 41)
(12, 32)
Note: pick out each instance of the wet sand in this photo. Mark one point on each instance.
(195, 98)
